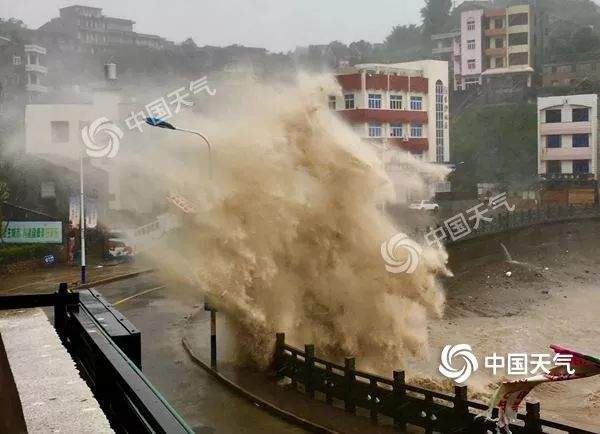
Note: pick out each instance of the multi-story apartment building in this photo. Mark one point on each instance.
(444, 45)
(92, 29)
(399, 106)
(509, 43)
(568, 136)
(22, 73)
(492, 45)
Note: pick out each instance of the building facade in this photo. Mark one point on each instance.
(94, 30)
(568, 136)
(570, 73)
(22, 73)
(509, 44)
(398, 106)
(468, 64)
(495, 46)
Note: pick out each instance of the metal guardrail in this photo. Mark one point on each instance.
(509, 221)
(405, 404)
(130, 402)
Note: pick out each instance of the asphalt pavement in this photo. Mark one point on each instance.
(160, 312)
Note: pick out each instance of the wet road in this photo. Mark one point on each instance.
(160, 313)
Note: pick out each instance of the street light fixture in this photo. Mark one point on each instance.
(157, 122)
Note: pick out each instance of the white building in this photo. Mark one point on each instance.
(54, 131)
(568, 136)
(400, 105)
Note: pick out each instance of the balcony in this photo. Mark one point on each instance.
(412, 144)
(443, 50)
(495, 32)
(519, 28)
(34, 49)
(523, 48)
(547, 129)
(495, 13)
(33, 67)
(384, 116)
(495, 52)
(36, 88)
(549, 154)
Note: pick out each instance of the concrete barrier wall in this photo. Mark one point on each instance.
(11, 413)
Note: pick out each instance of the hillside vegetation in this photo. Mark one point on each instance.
(495, 144)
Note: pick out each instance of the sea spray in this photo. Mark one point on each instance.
(289, 233)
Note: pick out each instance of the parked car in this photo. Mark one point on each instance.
(426, 205)
(119, 246)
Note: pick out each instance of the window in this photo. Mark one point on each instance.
(498, 23)
(499, 42)
(16, 60)
(553, 141)
(553, 167)
(470, 24)
(518, 59)
(518, 39)
(396, 102)
(581, 166)
(518, 19)
(349, 101)
(499, 62)
(581, 140)
(416, 130)
(396, 130)
(471, 64)
(471, 44)
(439, 121)
(375, 130)
(331, 102)
(374, 101)
(47, 190)
(581, 115)
(59, 131)
(416, 103)
(553, 116)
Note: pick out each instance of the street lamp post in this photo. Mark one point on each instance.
(82, 216)
(157, 122)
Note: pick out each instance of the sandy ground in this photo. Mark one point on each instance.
(551, 297)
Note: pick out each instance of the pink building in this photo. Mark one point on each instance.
(468, 58)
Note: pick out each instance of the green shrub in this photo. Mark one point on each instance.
(10, 253)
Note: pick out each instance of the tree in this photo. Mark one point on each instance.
(436, 15)
(4, 194)
(497, 144)
(15, 30)
(584, 39)
(360, 51)
(403, 37)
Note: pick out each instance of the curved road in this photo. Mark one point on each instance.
(160, 313)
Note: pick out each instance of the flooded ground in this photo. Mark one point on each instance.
(546, 291)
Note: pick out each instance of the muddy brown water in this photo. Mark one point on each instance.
(548, 294)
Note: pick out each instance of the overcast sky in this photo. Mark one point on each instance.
(278, 25)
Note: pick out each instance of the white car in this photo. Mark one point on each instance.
(426, 205)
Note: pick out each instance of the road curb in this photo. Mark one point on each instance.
(115, 278)
(265, 405)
